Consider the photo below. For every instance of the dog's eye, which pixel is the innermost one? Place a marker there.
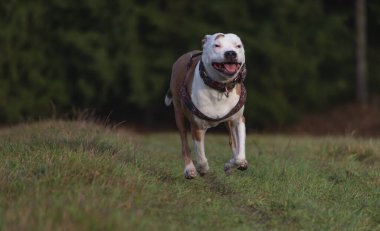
(216, 45)
(238, 46)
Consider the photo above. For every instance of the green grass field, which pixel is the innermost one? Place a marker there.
(58, 175)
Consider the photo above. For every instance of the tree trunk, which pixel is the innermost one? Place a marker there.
(361, 52)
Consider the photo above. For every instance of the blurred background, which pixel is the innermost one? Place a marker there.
(313, 65)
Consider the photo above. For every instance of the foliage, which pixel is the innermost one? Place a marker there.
(116, 56)
(60, 175)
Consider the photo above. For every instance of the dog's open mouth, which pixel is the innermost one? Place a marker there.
(228, 68)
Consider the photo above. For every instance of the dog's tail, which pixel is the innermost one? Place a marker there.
(168, 98)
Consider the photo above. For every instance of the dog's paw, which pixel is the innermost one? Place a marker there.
(202, 168)
(243, 165)
(190, 172)
(239, 164)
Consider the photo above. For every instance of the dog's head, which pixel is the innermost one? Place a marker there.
(223, 55)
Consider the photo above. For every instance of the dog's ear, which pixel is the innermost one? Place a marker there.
(219, 35)
(204, 40)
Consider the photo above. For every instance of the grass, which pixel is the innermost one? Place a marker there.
(58, 175)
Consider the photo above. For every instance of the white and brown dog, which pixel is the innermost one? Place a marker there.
(207, 88)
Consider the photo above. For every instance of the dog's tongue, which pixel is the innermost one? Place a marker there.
(231, 67)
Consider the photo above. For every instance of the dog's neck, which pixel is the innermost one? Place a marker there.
(224, 87)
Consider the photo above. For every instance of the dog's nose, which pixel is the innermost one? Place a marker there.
(230, 55)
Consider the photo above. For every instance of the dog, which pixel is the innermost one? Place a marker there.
(206, 88)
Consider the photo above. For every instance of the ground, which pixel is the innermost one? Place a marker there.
(80, 175)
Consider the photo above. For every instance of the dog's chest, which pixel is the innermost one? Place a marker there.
(211, 102)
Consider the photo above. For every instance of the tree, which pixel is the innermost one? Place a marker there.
(361, 52)
(116, 56)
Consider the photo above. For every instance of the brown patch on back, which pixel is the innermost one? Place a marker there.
(188, 80)
(179, 75)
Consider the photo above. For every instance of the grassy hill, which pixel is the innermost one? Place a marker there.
(58, 175)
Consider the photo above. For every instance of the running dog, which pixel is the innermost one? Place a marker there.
(206, 88)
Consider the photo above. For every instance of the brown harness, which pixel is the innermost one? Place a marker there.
(222, 87)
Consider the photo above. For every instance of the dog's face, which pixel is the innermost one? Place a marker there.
(223, 55)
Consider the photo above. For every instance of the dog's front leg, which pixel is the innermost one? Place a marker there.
(198, 136)
(237, 142)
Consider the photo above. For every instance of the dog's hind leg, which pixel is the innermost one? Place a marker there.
(190, 171)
